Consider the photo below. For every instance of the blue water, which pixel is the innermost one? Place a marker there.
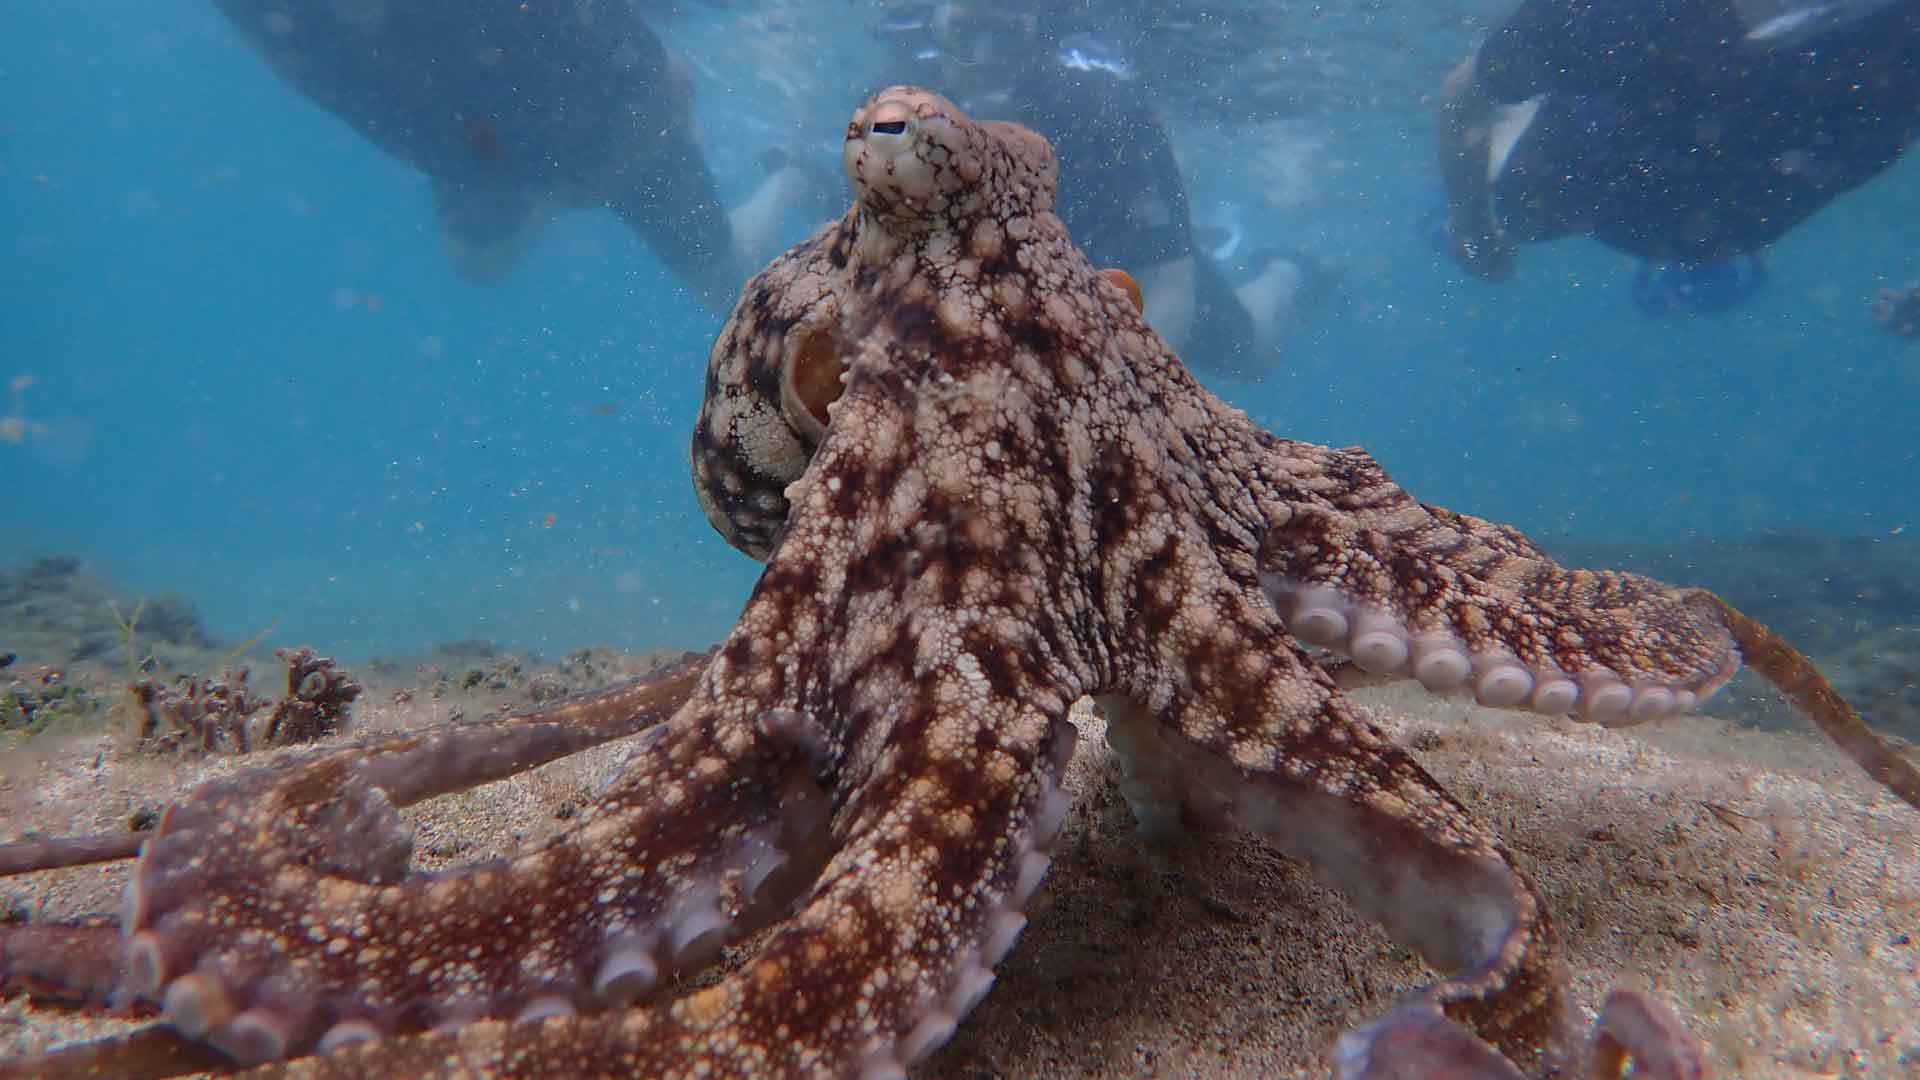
(257, 381)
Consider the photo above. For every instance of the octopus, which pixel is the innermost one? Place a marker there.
(984, 490)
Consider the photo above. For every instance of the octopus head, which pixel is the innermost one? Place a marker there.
(917, 163)
(929, 186)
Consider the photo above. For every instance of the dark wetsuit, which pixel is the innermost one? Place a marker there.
(1665, 134)
(1122, 196)
(1121, 192)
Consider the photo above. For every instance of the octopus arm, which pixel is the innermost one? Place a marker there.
(1351, 483)
(1461, 604)
(1634, 1035)
(274, 925)
(414, 767)
(1800, 682)
(1296, 763)
(892, 946)
(73, 963)
(1406, 590)
(1301, 767)
(1221, 718)
(147, 1053)
(32, 856)
(80, 962)
(462, 757)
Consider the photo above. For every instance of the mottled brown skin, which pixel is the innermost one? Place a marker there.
(1019, 459)
(984, 489)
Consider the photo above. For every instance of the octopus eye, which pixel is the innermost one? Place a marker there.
(1124, 281)
(811, 382)
(892, 128)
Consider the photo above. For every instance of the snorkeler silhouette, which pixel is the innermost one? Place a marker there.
(515, 111)
(1224, 302)
(1689, 133)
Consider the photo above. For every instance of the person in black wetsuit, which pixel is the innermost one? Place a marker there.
(514, 111)
(1122, 196)
(1690, 133)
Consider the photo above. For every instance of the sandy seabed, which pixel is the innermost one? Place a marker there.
(1754, 881)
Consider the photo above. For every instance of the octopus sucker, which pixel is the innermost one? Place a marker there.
(1662, 655)
(984, 489)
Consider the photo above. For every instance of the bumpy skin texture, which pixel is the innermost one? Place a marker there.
(984, 489)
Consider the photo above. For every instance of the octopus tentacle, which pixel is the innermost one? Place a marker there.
(1220, 716)
(1634, 1029)
(1800, 682)
(1415, 1042)
(1351, 484)
(273, 927)
(459, 758)
(32, 856)
(146, 1053)
(80, 962)
(1452, 602)
(417, 766)
(893, 945)
(1408, 590)
(1634, 1033)
(73, 963)
(1273, 747)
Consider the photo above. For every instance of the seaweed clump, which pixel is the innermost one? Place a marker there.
(30, 701)
(217, 715)
(318, 696)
